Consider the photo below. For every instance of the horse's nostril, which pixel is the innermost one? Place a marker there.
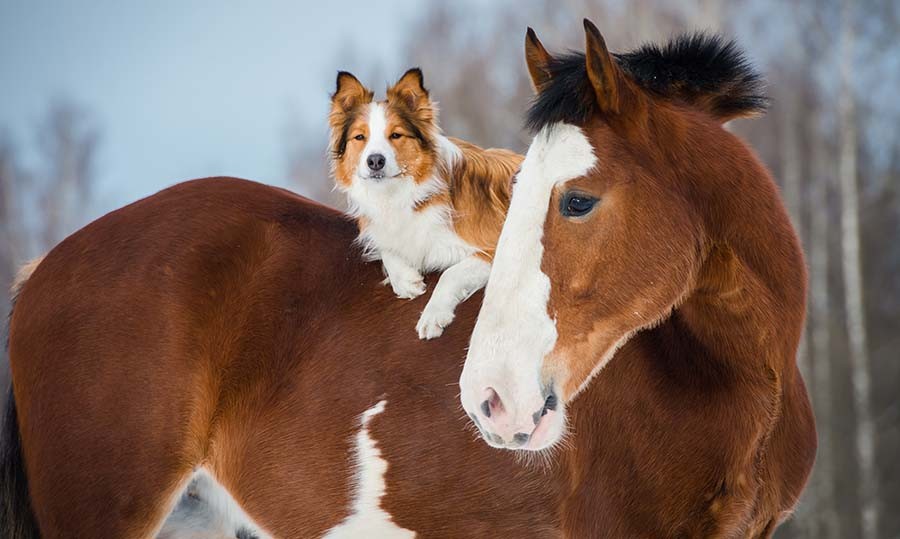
(486, 409)
(550, 403)
(521, 438)
(492, 404)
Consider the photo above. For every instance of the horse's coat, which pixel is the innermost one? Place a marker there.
(232, 326)
(368, 517)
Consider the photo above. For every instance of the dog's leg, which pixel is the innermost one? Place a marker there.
(406, 281)
(456, 284)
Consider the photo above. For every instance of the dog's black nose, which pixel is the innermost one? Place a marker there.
(375, 162)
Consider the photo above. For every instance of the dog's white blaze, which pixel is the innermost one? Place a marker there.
(206, 509)
(378, 143)
(368, 519)
(514, 331)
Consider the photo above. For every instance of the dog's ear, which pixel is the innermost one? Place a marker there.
(410, 91)
(349, 92)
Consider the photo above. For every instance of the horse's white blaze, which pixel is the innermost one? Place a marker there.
(206, 509)
(367, 518)
(514, 331)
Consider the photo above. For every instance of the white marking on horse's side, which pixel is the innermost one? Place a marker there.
(205, 509)
(514, 331)
(367, 518)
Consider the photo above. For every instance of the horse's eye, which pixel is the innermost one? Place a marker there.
(360, 137)
(576, 204)
(395, 136)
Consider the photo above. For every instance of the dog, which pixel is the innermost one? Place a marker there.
(424, 202)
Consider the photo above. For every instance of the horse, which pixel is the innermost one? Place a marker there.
(226, 333)
(647, 271)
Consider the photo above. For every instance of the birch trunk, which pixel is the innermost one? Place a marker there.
(791, 172)
(825, 518)
(853, 281)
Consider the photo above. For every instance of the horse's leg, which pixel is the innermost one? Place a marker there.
(113, 499)
(108, 457)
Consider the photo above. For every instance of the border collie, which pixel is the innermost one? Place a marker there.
(424, 202)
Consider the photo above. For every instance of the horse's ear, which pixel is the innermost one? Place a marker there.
(410, 90)
(538, 60)
(602, 70)
(349, 92)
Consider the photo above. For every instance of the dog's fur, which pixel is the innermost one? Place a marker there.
(437, 204)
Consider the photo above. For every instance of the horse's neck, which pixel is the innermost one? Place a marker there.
(740, 318)
(748, 302)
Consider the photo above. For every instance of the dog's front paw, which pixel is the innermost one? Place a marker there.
(408, 288)
(433, 321)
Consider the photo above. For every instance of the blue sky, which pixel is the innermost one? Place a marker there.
(186, 89)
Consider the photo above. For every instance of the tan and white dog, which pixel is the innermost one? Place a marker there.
(424, 202)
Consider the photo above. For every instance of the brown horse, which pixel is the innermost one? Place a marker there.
(228, 334)
(639, 228)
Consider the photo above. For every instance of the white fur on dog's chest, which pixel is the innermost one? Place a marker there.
(425, 239)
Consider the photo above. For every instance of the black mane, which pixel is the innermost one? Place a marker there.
(706, 70)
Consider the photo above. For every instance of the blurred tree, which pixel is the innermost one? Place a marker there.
(67, 143)
(11, 182)
(10, 185)
(822, 517)
(307, 164)
(853, 278)
(40, 206)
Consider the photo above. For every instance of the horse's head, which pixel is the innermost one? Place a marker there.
(607, 230)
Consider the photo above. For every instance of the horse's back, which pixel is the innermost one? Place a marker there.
(232, 326)
(172, 282)
(131, 334)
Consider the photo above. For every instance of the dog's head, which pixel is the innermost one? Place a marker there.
(383, 141)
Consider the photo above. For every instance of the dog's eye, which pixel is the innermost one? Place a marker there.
(359, 137)
(395, 136)
(576, 204)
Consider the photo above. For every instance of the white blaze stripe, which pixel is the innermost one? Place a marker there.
(378, 142)
(514, 332)
(367, 518)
